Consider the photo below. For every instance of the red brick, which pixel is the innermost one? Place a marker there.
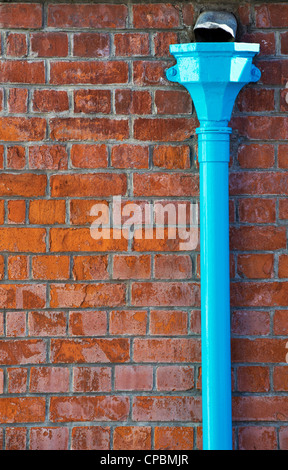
(2, 269)
(46, 101)
(16, 212)
(101, 73)
(80, 239)
(22, 239)
(49, 44)
(283, 100)
(166, 322)
(164, 129)
(244, 12)
(132, 438)
(174, 438)
(281, 322)
(1, 156)
(90, 268)
(256, 266)
(163, 408)
(87, 16)
(91, 45)
(134, 378)
(50, 267)
(49, 438)
(15, 324)
(89, 350)
(16, 45)
(18, 100)
(283, 266)
(173, 267)
(47, 212)
(283, 438)
(254, 127)
(87, 129)
(253, 379)
(89, 156)
(250, 323)
(22, 410)
(17, 15)
(284, 40)
(131, 267)
(128, 322)
(283, 156)
(133, 102)
(256, 156)
(148, 72)
(130, 156)
(266, 41)
(17, 380)
(20, 71)
(260, 408)
(275, 16)
(257, 438)
(165, 184)
(280, 379)
(171, 157)
(162, 42)
(22, 129)
(257, 238)
(100, 408)
(173, 102)
(273, 73)
(92, 379)
(155, 16)
(165, 294)
(21, 296)
(167, 350)
(49, 380)
(15, 438)
(283, 209)
(257, 294)
(195, 322)
(257, 210)
(16, 157)
(254, 100)
(91, 438)
(47, 323)
(48, 157)
(175, 378)
(253, 183)
(1, 381)
(92, 101)
(87, 323)
(91, 185)
(131, 44)
(1, 99)
(259, 350)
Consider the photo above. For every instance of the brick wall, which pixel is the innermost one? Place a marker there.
(100, 339)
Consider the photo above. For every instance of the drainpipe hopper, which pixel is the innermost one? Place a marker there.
(214, 73)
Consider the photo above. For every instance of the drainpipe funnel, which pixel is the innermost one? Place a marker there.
(214, 73)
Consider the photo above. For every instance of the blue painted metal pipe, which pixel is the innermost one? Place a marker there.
(214, 73)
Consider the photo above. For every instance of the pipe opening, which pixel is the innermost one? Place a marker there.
(216, 26)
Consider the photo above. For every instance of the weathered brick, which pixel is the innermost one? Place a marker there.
(133, 102)
(131, 44)
(167, 350)
(27, 16)
(15, 438)
(128, 322)
(89, 156)
(90, 268)
(22, 129)
(166, 322)
(22, 352)
(87, 16)
(132, 438)
(92, 379)
(100, 408)
(47, 212)
(22, 410)
(87, 129)
(174, 438)
(155, 16)
(47, 323)
(87, 323)
(50, 267)
(49, 44)
(48, 157)
(17, 380)
(130, 156)
(49, 438)
(90, 438)
(91, 185)
(80, 240)
(163, 408)
(16, 212)
(47, 101)
(253, 379)
(257, 438)
(18, 267)
(131, 267)
(17, 100)
(16, 45)
(165, 294)
(92, 101)
(49, 380)
(256, 156)
(134, 378)
(23, 239)
(256, 266)
(15, 324)
(173, 102)
(250, 323)
(16, 157)
(175, 378)
(20, 71)
(101, 73)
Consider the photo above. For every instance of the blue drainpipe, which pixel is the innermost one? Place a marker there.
(214, 73)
